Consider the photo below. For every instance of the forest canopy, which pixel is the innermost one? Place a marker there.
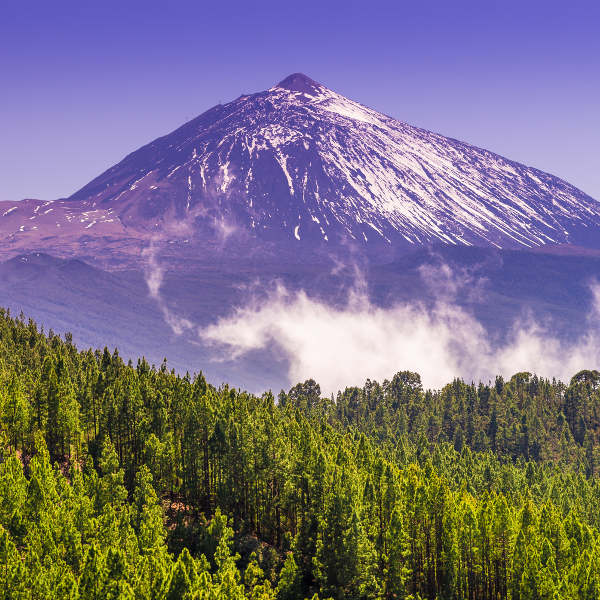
(122, 480)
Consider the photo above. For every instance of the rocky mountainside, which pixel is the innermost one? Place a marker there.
(301, 166)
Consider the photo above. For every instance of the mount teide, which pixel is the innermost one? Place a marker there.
(301, 168)
(296, 184)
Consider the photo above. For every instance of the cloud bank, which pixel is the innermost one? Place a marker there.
(343, 346)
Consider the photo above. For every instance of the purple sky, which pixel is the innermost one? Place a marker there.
(84, 83)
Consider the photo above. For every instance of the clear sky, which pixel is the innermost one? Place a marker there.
(82, 84)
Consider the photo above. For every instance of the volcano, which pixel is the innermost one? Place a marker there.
(300, 167)
(296, 186)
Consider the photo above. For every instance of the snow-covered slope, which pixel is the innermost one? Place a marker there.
(304, 165)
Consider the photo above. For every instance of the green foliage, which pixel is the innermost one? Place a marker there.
(122, 481)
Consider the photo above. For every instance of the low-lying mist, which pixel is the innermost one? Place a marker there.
(343, 346)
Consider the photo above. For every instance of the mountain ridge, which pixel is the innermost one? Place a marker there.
(299, 166)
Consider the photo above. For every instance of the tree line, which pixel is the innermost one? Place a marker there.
(125, 480)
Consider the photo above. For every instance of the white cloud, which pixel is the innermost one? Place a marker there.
(154, 274)
(342, 346)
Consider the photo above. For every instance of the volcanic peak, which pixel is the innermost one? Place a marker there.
(298, 82)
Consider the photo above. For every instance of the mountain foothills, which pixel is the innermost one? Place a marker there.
(127, 481)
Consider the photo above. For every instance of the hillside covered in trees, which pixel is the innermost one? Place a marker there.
(130, 481)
